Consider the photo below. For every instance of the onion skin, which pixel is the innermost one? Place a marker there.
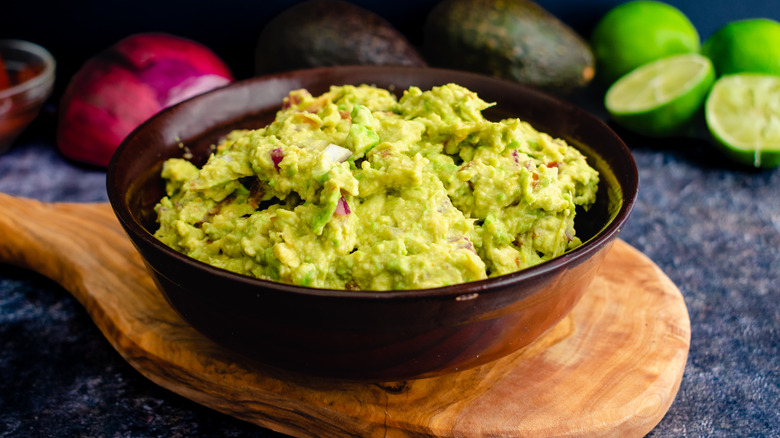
(126, 84)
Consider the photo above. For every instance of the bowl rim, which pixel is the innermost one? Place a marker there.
(44, 77)
(458, 291)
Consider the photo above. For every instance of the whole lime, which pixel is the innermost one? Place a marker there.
(637, 32)
(745, 46)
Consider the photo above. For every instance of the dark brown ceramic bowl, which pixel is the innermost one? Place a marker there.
(362, 335)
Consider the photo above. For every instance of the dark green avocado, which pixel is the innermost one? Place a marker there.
(330, 32)
(511, 39)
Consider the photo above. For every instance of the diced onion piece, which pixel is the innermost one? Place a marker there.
(336, 153)
(277, 155)
(342, 208)
(462, 242)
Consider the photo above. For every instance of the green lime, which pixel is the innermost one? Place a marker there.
(745, 46)
(743, 115)
(661, 98)
(637, 32)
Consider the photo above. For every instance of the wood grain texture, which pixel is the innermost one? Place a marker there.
(611, 368)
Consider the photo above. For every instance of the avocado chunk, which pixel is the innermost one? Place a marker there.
(510, 39)
(319, 33)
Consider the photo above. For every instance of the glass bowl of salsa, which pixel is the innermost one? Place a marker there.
(26, 81)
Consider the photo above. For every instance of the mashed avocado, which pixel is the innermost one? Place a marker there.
(355, 189)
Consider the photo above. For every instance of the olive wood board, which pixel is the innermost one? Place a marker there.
(612, 367)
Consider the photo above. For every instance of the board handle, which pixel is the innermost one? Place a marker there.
(62, 241)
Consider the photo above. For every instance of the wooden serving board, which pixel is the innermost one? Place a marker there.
(610, 368)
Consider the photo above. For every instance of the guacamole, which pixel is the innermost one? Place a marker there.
(356, 189)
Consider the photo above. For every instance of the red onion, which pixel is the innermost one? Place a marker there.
(277, 155)
(342, 208)
(123, 86)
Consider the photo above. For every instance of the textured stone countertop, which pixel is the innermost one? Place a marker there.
(713, 229)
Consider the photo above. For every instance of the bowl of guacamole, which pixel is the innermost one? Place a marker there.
(373, 223)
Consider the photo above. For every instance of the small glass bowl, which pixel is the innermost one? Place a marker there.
(30, 69)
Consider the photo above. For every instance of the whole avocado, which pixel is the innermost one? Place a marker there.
(510, 39)
(330, 32)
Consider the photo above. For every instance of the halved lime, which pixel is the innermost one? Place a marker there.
(743, 115)
(662, 97)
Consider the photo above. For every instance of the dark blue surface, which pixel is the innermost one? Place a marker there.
(712, 228)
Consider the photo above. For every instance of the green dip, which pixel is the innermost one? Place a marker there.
(355, 189)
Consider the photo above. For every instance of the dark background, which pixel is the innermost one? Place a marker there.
(74, 30)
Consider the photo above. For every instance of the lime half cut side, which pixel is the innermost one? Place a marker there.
(743, 115)
(661, 98)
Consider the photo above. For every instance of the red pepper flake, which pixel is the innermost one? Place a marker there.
(465, 166)
(553, 164)
(345, 115)
(535, 179)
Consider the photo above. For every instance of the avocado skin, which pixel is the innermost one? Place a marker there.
(510, 39)
(319, 33)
